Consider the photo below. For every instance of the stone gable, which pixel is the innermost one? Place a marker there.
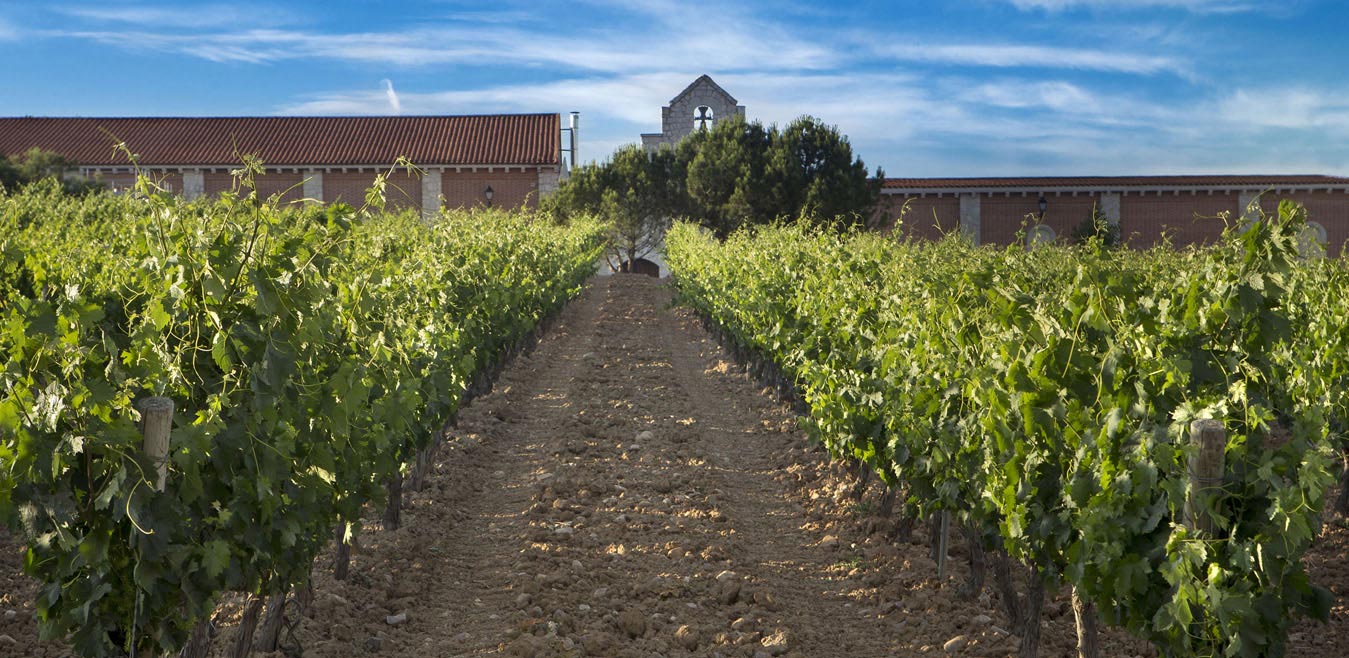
(703, 98)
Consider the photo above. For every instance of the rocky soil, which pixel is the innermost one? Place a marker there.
(626, 491)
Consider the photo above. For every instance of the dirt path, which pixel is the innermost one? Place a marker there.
(627, 493)
(617, 496)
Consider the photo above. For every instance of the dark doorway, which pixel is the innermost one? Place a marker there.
(640, 266)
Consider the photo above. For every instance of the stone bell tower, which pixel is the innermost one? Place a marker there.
(700, 105)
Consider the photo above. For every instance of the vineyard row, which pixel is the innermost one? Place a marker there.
(310, 355)
(1052, 403)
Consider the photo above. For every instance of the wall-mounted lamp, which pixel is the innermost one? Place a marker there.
(487, 194)
(1044, 203)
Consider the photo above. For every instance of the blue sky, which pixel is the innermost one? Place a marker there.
(973, 88)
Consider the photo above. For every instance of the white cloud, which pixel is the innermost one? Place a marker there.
(1058, 101)
(392, 97)
(188, 17)
(616, 52)
(918, 103)
(722, 38)
(934, 126)
(7, 31)
(616, 110)
(1019, 94)
(1288, 108)
(1196, 6)
(634, 99)
(1009, 55)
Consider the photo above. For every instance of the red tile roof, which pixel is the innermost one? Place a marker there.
(509, 139)
(1113, 182)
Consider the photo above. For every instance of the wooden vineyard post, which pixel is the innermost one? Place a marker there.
(1084, 613)
(1011, 600)
(978, 563)
(943, 538)
(1205, 471)
(156, 423)
(272, 620)
(156, 428)
(1035, 603)
(392, 511)
(248, 625)
(199, 643)
(342, 554)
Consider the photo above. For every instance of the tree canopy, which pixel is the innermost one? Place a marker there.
(37, 164)
(735, 174)
(635, 192)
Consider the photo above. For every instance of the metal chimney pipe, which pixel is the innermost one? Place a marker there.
(575, 140)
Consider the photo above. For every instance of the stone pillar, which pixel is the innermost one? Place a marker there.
(431, 183)
(1247, 214)
(313, 185)
(1110, 207)
(194, 184)
(969, 217)
(548, 181)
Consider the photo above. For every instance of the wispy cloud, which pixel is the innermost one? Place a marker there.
(616, 110)
(633, 99)
(870, 108)
(1043, 87)
(1020, 94)
(598, 51)
(392, 97)
(1196, 6)
(1302, 109)
(920, 124)
(7, 31)
(1055, 102)
(1013, 55)
(722, 38)
(189, 17)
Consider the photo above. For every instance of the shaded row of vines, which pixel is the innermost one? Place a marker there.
(1042, 401)
(312, 355)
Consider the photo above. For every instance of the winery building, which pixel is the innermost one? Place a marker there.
(1180, 210)
(505, 160)
(1148, 210)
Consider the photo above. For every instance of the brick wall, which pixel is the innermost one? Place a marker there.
(926, 218)
(1329, 209)
(1002, 217)
(347, 187)
(215, 183)
(404, 191)
(289, 186)
(1186, 218)
(509, 189)
(401, 190)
